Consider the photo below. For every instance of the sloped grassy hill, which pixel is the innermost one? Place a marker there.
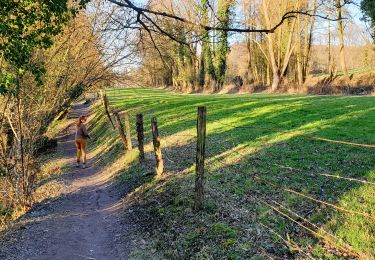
(264, 171)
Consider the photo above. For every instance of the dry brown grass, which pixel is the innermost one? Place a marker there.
(359, 84)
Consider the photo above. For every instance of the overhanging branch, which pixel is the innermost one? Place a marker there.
(144, 11)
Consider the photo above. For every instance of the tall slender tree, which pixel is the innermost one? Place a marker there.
(368, 8)
(207, 71)
(224, 19)
(340, 29)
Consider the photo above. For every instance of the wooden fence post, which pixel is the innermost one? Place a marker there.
(140, 137)
(124, 132)
(127, 131)
(105, 102)
(121, 131)
(200, 156)
(159, 168)
(101, 96)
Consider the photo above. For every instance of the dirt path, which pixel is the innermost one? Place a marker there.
(84, 223)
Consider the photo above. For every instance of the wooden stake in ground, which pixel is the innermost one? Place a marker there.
(101, 96)
(127, 132)
(199, 168)
(159, 168)
(105, 102)
(121, 131)
(140, 137)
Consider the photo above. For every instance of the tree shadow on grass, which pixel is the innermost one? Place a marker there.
(282, 155)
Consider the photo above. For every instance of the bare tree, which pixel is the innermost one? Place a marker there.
(83, 56)
(283, 24)
(339, 7)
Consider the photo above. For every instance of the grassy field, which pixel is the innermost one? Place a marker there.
(272, 188)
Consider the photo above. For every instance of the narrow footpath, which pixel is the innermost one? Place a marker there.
(83, 223)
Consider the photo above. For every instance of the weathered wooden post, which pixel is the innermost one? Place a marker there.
(101, 96)
(127, 131)
(140, 137)
(121, 131)
(159, 168)
(105, 102)
(200, 156)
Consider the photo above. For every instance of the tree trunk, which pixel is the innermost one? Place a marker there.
(341, 39)
(309, 42)
(329, 66)
(222, 51)
(276, 80)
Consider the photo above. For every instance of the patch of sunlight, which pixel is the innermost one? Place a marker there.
(232, 123)
(371, 176)
(183, 137)
(121, 163)
(230, 156)
(149, 147)
(275, 97)
(354, 229)
(53, 166)
(309, 128)
(63, 161)
(240, 151)
(104, 147)
(240, 105)
(170, 121)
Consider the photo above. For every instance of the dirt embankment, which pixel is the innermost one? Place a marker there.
(358, 84)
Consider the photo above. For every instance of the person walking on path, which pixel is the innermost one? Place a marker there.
(81, 140)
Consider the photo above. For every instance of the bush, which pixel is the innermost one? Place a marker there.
(76, 92)
(44, 144)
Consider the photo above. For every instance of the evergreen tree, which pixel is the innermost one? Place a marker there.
(207, 70)
(368, 7)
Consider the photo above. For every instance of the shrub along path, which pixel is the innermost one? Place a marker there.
(83, 223)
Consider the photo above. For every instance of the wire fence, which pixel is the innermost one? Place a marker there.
(224, 147)
(279, 130)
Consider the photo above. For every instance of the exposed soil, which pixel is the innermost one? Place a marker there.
(83, 223)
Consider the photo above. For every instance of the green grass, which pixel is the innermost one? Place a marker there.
(266, 136)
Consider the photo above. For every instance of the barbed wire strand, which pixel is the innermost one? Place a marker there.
(310, 175)
(324, 174)
(315, 200)
(342, 142)
(346, 178)
(312, 224)
(301, 225)
(301, 136)
(288, 244)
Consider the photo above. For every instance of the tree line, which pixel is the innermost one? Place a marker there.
(186, 43)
